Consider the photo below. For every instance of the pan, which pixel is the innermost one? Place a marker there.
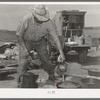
(68, 85)
(94, 72)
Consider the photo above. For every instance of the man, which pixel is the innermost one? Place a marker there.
(31, 34)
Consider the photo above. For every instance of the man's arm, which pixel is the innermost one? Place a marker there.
(53, 32)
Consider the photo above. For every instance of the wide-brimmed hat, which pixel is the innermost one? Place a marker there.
(40, 12)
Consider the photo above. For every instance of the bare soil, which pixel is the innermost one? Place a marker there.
(93, 60)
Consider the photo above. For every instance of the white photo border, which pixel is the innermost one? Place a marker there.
(43, 93)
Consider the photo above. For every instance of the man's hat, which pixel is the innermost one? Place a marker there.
(40, 12)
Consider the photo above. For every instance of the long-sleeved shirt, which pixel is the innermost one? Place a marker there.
(32, 31)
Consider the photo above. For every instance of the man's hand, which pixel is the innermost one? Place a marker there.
(61, 57)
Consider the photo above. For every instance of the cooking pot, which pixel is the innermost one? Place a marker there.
(94, 72)
(89, 82)
(68, 85)
(2, 66)
(97, 83)
(3, 74)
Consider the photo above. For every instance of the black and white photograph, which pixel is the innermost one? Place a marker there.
(50, 46)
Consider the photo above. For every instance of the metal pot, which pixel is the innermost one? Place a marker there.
(89, 83)
(94, 72)
(87, 80)
(2, 66)
(68, 85)
(97, 83)
(3, 75)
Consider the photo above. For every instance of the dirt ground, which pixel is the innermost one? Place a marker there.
(93, 60)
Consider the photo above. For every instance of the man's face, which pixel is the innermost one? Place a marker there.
(38, 21)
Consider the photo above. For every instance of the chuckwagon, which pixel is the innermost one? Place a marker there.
(70, 24)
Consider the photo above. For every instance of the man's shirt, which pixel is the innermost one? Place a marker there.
(34, 32)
